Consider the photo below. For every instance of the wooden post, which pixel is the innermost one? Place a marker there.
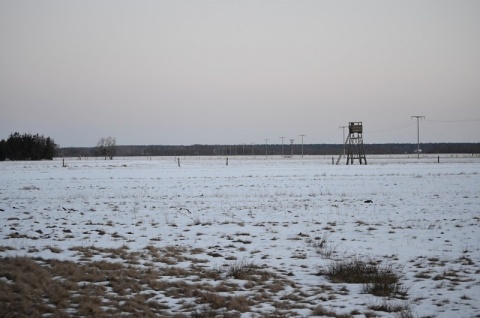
(227, 161)
(438, 159)
(178, 160)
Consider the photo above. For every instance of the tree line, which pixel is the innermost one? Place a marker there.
(261, 150)
(38, 147)
(27, 147)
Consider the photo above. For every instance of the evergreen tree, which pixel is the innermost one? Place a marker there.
(3, 150)
(49, 150)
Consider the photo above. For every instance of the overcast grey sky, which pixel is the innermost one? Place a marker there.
(232, 72)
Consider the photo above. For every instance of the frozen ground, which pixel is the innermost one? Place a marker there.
(419, 216)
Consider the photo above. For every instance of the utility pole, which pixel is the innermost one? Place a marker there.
(302, 143)
(282, 145)
(343, 140)
(291, 142)
(266, 150)
(418, 133)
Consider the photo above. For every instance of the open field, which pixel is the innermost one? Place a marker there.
(259, 237)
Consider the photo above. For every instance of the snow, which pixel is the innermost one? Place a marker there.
(423, 217)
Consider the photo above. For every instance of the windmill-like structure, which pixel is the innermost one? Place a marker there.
(354, 144)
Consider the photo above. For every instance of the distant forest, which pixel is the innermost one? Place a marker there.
(271, 149)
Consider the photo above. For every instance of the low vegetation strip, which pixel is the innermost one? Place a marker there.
(121, 285)
(39, 287)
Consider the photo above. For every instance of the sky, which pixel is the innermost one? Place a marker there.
(234, 72)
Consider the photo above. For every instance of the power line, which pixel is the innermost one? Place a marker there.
(388, 130)
(454, 121)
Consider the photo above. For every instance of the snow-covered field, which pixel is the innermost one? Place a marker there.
(420, 217)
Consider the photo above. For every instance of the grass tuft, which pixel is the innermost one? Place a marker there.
(379, 279)
(242, 269)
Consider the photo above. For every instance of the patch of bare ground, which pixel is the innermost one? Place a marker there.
(120, 282)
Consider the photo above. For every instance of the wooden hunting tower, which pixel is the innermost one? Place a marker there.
(354, 144)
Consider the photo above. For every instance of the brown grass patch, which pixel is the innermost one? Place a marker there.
(34, 284)
(114, 286)
(239, 303)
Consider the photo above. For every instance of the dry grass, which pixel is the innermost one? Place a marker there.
(386, 305)
(35, 286)
(242, 269)
(99, 289)
(114, 286)
(323, 312)
(323, 246)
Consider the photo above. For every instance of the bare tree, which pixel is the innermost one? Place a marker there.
(107, 147)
